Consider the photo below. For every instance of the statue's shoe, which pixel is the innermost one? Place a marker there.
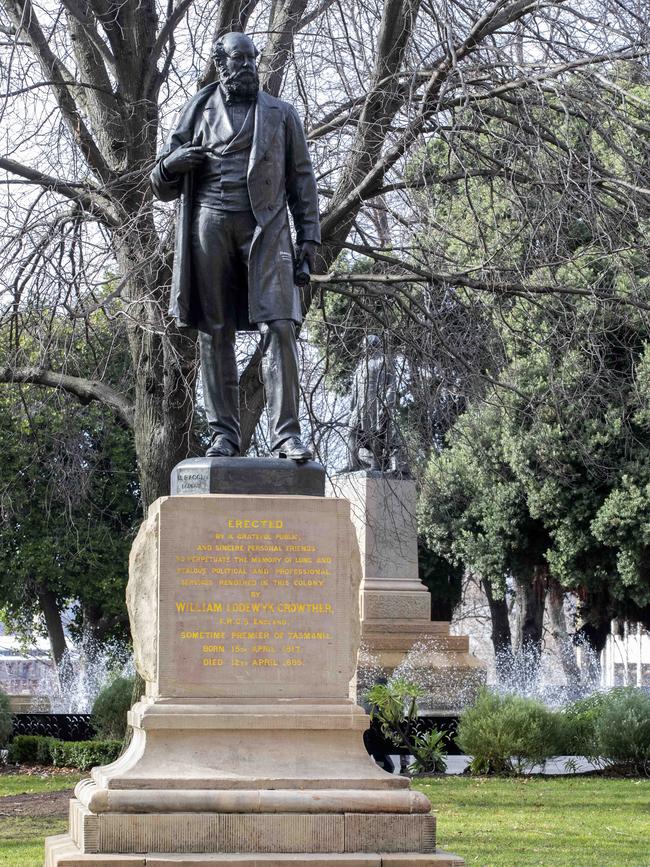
(221, 447)
(294, 450)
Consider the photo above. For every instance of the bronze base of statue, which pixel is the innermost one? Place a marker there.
(233, 475)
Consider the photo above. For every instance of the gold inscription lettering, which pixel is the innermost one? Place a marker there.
(264, 631)
(184, 607)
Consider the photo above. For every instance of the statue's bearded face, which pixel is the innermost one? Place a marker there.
(235, 56)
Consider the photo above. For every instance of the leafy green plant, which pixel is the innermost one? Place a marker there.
(580, 718)
(611, 728)
(508, 734)
(44, 750)
(622, 730)
(31, 750)
(110, 708)
(5, 718)
(394, 706)
(429, 753)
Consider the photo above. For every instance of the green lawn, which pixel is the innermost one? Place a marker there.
(21, 838)
(572, 822)
(30, 784)
(562, 822)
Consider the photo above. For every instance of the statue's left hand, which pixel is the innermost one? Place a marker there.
(307, 253)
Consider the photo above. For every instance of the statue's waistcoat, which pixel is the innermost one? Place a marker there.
(221, 181)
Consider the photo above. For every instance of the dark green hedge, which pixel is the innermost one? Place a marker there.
(38, 750)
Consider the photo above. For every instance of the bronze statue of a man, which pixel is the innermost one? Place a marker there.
(373, 439)
(236, 159)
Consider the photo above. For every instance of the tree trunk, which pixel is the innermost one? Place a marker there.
(273, 62)
(53, 624)
(558, 629)
(531, 596)
(164, 362)
(500, 628)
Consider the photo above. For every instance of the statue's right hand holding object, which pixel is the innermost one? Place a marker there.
(184, 159)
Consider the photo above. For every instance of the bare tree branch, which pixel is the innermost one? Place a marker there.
(24, 18)
(90, 200)
(79, 10)
(86, 390)
(283, 26)
(165, 36)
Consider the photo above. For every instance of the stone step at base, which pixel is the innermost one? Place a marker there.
(422, 625)
(375, 637)
(61, 851)
(250, 832)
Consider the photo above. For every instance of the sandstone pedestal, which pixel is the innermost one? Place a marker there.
(395, 605)
(247, 748)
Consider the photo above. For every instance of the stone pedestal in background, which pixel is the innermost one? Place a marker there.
(395, 605)
(29, 703)
(246, 748)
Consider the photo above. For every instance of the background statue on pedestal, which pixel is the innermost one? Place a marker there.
(374, 442)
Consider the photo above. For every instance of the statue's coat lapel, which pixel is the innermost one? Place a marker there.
(267, 119)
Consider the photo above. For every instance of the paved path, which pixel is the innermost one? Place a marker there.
(457, 764)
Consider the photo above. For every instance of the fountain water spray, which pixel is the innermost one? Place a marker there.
(444, 689)
(447, 690)
(525, 673)
(85, 670)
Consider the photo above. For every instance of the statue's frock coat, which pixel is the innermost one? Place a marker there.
(279, 174)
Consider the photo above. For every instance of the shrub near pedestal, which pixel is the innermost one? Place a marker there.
(394, 705)
(508, 734)
(111, 707)
(623, 730)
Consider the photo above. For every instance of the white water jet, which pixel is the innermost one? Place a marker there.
(369, 671)
(448, 690)
(525, 673)
(445, 689)
(86, 669)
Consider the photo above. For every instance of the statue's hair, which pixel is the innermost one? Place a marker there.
(218, 50)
